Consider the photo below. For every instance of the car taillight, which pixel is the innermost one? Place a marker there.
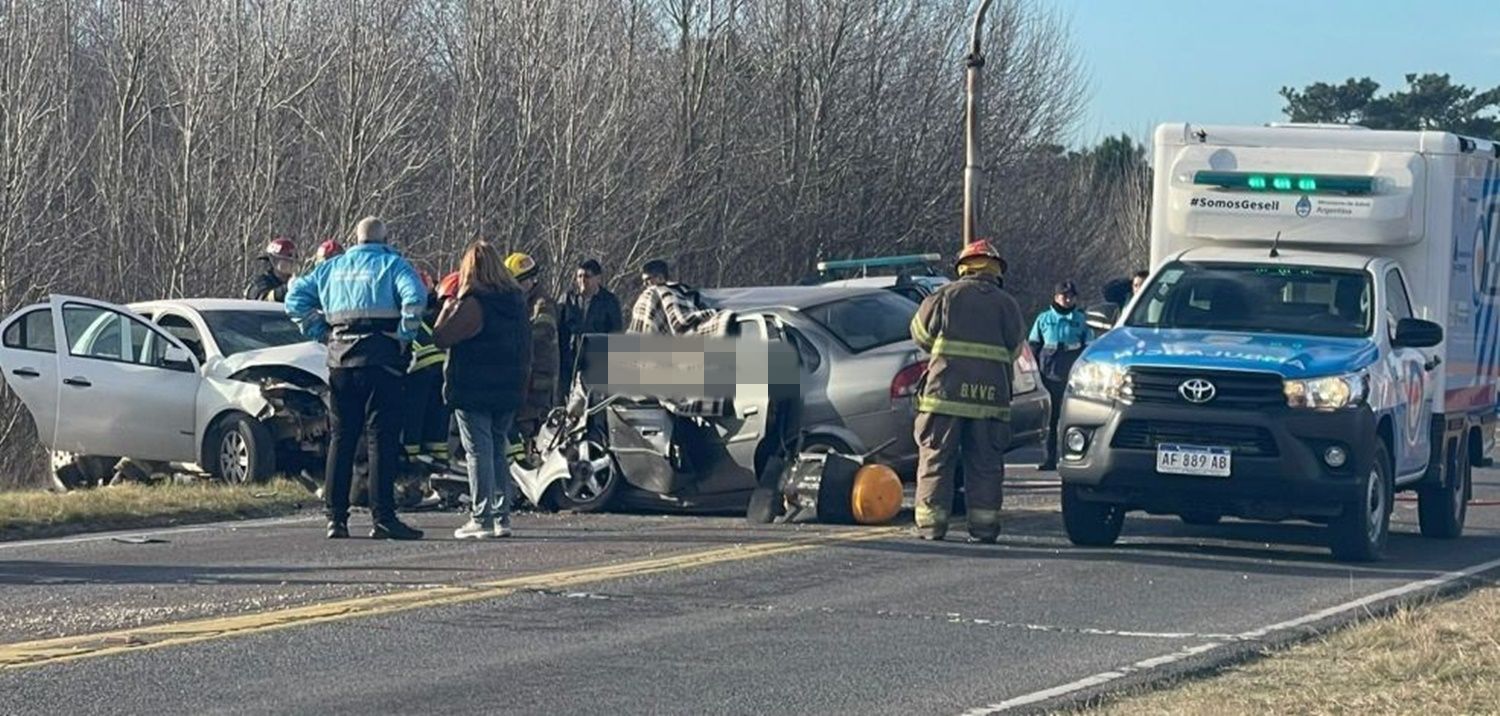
(904, 385)
(1026, 371)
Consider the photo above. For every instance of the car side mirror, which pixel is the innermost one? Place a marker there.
(1417, 333)
(1102, 317)
(177, 358)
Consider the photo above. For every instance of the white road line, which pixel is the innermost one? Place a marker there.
(1105, 677)
(205, 527)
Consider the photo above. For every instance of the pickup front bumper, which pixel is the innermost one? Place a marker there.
(1277, 458)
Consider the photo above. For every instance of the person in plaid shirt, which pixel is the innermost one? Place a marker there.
(669, 308)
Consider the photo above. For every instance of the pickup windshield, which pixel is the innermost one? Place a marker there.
(1257, 299)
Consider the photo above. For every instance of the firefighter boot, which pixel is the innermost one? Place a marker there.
(932, 521)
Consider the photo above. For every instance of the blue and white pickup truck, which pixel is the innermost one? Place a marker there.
(1319, 332)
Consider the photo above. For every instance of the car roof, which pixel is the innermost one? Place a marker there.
(206, 304)
(796, 297)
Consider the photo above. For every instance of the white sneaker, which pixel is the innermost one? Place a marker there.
(502, 531)
(472, 530)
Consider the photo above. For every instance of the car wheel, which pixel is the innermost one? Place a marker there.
(1201, 519)
(77, 472)
(593, 478)
(1090, 524)
(1360, 533)
(243, 451)
(1441, 509)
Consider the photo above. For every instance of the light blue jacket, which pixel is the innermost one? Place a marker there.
(368, 282)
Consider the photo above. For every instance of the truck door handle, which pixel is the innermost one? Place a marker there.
(78, 382)
(1432, 364)
(26, 373)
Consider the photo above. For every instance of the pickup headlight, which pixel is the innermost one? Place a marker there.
(1097, 381)
(1330, 393)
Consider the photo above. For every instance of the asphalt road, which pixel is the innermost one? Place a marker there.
(608, 614)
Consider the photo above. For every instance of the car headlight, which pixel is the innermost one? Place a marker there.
(1331, 393)
(1097, 381)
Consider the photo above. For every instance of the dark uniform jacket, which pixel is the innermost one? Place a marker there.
(266, 286)
(973, 331)
(541, 391)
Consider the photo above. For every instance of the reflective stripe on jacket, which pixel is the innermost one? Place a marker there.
(424, 354)
(972, 330)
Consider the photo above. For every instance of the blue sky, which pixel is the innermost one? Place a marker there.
(1208, 61)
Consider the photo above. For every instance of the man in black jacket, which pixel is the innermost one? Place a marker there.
(588, 307)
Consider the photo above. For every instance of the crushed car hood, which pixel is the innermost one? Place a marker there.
(309, 357)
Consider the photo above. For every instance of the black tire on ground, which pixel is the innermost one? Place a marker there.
(78, 472)
(1441, 509)
(1090, 524)
(242, 450)
(1201, 519)
(765, 506)
(582, 494)
(1361, 532)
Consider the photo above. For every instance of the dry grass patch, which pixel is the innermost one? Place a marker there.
(1441, 658)
(28, 514)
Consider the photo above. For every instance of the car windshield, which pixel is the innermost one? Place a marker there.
(240, 331)
(867, 320)
(1257, 299)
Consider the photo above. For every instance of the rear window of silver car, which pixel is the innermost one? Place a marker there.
(866, 321)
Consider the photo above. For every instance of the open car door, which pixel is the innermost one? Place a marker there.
(29, 361)
(124, 386)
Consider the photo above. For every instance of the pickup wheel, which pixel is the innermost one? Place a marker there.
(1090, 524)
(1442, 508)
(1361, 532)
(242, 450)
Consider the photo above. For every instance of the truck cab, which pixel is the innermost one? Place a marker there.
(1318, 334)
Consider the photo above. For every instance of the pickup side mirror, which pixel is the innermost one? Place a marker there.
(178, 359)
(1102, 317)
(1417, 333)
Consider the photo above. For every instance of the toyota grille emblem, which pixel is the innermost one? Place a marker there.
(1197, 390)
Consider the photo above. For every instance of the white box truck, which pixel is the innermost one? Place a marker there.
(1319, 332)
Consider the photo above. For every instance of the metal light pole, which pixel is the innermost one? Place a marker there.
(973, 174)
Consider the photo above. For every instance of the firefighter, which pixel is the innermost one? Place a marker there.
(1057, 339)
(541, 392)
(280, 265)
(972, 329)
(425, 432)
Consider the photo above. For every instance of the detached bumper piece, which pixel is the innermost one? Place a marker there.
(833, 489)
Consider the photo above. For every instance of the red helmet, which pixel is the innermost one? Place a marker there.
(981, 248)
(448, 287)
(329, 249)
(281, 248)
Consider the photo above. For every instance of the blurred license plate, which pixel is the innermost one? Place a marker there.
(1192, 460)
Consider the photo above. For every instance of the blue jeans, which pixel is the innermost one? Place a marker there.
(485, 434)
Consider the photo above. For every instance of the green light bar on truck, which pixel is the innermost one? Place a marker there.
(913, 259)
(1301, 183)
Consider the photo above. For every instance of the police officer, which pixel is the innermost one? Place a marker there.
(1057, 339)
(972, 329)
(367, 304)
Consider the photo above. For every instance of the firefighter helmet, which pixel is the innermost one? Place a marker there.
(281, 248)
(521, 266)
(327, 250)
(981, 249)
(448, 287)
(876, 497)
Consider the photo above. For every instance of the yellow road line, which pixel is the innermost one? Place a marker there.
(72, 648)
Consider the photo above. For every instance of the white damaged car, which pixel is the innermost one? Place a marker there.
(226, 387)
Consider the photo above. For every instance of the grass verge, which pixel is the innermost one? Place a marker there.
(1437, 658)
(31, 514)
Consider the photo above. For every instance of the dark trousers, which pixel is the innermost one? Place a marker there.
(368, 396)
(425, 418)
(1055, 389)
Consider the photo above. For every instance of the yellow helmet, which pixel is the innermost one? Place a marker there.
(521, 266)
